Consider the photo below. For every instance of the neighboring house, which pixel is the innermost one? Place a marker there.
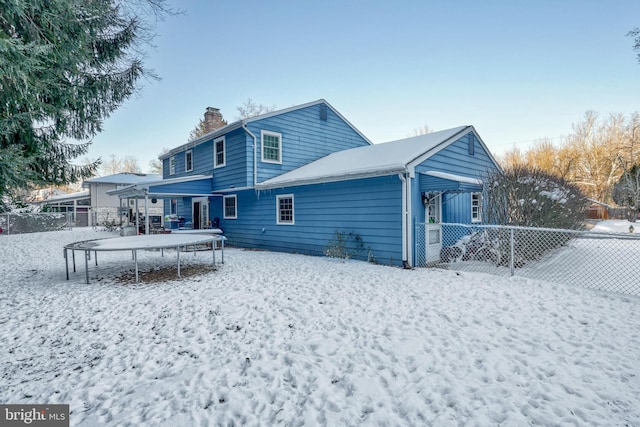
(294, 180)
(77, 204)
(95, 205)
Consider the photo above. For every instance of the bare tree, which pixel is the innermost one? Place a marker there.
(116, 165)
(422, 130)
(155, 165)
(251, 109)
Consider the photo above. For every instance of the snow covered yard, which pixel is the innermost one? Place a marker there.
(285, 339)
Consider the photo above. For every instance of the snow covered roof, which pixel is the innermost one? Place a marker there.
(123, 178)
(66, 197)
(373, 160)
(239, 123)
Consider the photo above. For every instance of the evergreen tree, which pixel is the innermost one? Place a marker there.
(65, 66)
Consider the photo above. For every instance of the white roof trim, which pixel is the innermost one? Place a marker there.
(452, 177)
(65, 197)
(238, 124)
(330, 178)
(130, 189)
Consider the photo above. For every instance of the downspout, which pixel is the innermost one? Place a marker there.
(255, 153)
(405, 221)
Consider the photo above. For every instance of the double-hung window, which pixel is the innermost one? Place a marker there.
(188, 160)
(476, 207)
(285, 209)
(172, 165)
(219, 153)
(230, 207)
(271, 147)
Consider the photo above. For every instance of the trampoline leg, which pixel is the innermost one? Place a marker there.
(73, 255)
(194, 250)
(162, 252)
(222, 249)
(66, 263)
(87, 256)
(135, 257)
(178, 252)
(95, 256)
(213, 249)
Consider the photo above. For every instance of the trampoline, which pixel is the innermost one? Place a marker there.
(136, 243)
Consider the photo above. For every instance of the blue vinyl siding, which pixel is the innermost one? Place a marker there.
(238, 169)
(305, 138)
(370, 207)
(455, 159)
(200, 186)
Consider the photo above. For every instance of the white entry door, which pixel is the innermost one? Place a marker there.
(433, 229)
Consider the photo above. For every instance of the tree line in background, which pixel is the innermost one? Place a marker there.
(601, 156)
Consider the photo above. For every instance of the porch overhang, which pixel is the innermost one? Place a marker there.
(448, 183)
(192, 186)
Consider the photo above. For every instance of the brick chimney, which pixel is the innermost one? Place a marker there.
(213, 119)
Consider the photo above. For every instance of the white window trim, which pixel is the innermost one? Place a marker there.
(269, 133)
(479, 217)
(224, 207)
(293, 209)
(172, 165)
(186, 153)
(224, 152)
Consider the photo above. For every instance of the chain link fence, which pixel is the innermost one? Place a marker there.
(604, 261)
(17, 223)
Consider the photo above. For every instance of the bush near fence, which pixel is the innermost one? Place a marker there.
(605, 261)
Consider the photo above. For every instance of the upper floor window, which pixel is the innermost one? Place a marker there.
(471, 145)
(188, 160)
(230, 207)
(476, 207)
(172, 165)
(271, 147)
(219, 153)
(284, 205)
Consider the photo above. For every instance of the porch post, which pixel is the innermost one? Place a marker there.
(137, 218)
(146, 213)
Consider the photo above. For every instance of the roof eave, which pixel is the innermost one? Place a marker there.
(330, 178)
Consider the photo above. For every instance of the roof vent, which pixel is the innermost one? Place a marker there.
(323, 112)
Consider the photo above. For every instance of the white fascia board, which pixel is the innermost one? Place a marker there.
(204, 138)
(444, 144)
(486, 149)
(308, 104)
(330, 178)
(453, 177)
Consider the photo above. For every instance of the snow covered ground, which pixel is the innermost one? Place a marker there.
(282, 339)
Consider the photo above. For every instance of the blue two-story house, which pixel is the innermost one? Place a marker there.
(294, 179)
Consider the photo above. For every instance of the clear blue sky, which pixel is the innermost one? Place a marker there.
(518, 71)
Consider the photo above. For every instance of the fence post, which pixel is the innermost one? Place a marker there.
(512, 252)
(8, 224)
